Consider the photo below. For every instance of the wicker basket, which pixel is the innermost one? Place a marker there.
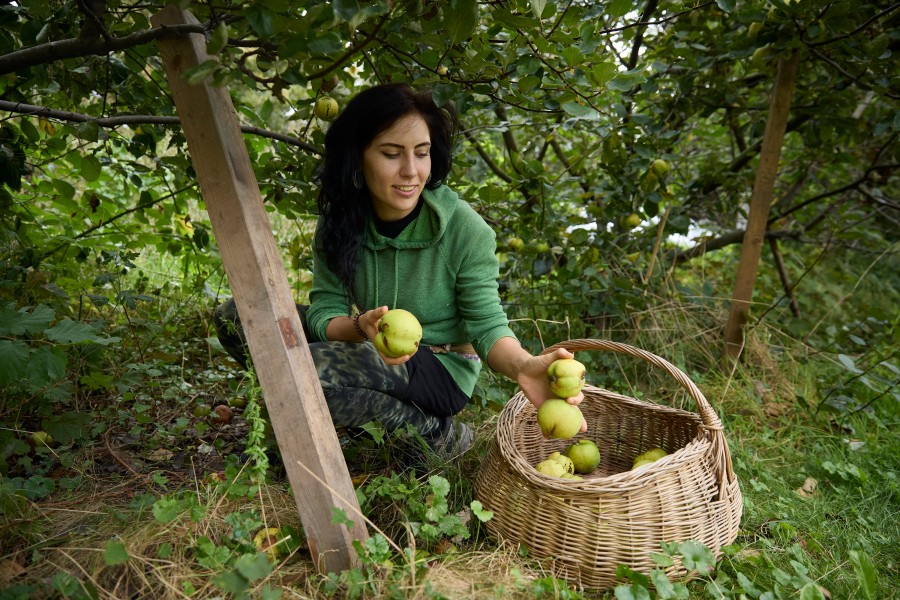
(584, 529)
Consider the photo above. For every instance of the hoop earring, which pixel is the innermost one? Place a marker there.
(357, 179)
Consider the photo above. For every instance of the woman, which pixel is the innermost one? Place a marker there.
(391, 235)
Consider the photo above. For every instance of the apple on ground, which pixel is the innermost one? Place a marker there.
(559, 419)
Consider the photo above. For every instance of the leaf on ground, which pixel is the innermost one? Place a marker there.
(115, 553)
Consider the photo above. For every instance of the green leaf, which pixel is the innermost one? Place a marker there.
(90, 168)
(18, 322)
(46, 365)
(260, 19)
(580, 112)
(537, 7)
(76, 332)
(114, 553)
(346, 9)
(632, 592)
(625, 81)
(478, 510)
(14, 358)
(68, 426)
(253, 566)
(865, 573)
(619, 8)
(811, 591)
(664, 587)
(726, 5)
(460, 18)
(696, 556)
(849, 364)
(231, 581)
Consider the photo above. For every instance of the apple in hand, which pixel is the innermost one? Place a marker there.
(566, 377)
(559, 419)
(399, 333)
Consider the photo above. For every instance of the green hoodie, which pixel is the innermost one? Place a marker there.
(442, 268)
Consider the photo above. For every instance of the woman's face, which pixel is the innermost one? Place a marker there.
(396, 166)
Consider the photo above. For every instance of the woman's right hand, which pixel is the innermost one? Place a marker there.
(374, 316)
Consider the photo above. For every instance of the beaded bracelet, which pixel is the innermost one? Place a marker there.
(359, 329)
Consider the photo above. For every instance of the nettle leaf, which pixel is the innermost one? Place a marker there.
(76, 332)
(14, 358)
(460, 18)
(114, 553)
(69, 426)
(46, 365)
(19, 322)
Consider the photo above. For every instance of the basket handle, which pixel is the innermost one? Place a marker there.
(711, 422)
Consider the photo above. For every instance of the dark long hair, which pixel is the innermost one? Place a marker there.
(344, 208)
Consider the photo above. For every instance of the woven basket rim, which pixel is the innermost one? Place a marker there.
(621, 481)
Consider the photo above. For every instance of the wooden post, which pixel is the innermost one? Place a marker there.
(760, 201)
(296, 404)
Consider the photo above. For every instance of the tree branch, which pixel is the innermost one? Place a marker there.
(727, 239)
(486, 158)
(639, 33)
(78, 47)
(113, 122)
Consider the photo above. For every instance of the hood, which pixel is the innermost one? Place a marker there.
(426, 230)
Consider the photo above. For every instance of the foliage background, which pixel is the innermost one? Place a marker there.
(109, 269)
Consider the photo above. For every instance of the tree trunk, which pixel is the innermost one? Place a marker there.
(760, 201)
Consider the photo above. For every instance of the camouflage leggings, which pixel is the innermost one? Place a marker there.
(359, 387)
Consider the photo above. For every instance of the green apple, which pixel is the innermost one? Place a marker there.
(654, 454)
(551, 467)
(559, 419)
(660, 167)
(326, 108)
(585, 456)
(564, 460)
(566, 377)
(648, 457)
(640, 463)
(399, 333)
(571, 476)
(42, 438)
(202, 410)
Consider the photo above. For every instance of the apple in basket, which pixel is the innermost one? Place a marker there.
(564, 460)
(648, 457)
(559, 419)
(585, 456)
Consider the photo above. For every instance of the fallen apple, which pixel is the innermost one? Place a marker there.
(559, 419)
(269, 540)
(585, 456)
(222, 414)
(399, 333)
(42, 438)
(566, 377)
